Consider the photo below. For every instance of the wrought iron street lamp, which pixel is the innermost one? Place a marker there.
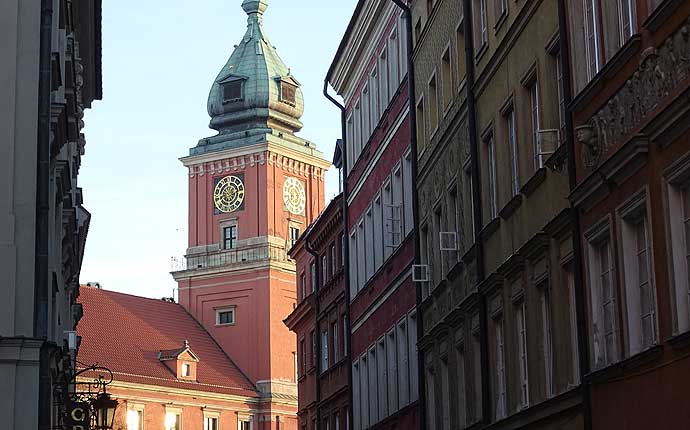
(104, 410)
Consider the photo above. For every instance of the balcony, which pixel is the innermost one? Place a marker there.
(231, 257)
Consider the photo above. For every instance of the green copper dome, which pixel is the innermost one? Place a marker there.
(255, 92)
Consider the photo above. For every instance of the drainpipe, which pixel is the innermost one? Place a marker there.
(582, 344)
(346, 246)
(477, 214)
(415, 205)
(317, 331)
(40, 328)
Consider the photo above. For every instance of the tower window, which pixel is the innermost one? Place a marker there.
(287, 93)
(225, 316)
(294, 235)
(229, 237)
(232, 91)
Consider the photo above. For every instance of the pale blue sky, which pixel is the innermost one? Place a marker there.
(159, 60)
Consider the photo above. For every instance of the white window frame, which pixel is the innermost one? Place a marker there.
(491, 171)
(173, 411)
(591, 33)
(513, 150)
(523, 363)
(229, 308)
(138, 410)
(208, 415)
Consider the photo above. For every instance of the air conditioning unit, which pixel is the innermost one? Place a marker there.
(448, 240)
(420, 273)
(548, 142)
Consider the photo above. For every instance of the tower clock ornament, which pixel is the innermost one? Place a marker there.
(228, 194)
(294, 196)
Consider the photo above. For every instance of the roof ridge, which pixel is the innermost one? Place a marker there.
(128, 295)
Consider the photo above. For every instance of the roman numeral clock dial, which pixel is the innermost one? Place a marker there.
(228, 195)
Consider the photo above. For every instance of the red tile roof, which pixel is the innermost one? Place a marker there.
(125, 333)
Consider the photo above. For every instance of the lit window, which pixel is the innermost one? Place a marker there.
(135, 419)
(173, 420)
(210, 423)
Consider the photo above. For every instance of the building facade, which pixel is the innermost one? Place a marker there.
(630, 81)
(320, 322)
(253, 188)
(51, 73)
(369, 72)
(168, 372)
(500, 341)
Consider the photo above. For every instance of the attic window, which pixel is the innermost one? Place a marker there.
(287, 93)
(232, 91)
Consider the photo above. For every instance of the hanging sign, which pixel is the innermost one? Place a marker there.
(78, 417)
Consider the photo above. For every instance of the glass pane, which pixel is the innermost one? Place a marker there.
(610, 348)
(608, 318)
(647, 331)
(643, 269)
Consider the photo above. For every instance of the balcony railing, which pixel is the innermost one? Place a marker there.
(230, 257)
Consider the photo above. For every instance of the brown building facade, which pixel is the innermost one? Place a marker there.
(630, 83)
(320, 323)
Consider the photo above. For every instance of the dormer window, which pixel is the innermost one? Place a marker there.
(287, 93)
(182, 361)
(232, 91)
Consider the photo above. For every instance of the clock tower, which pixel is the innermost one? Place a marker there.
(253, 188)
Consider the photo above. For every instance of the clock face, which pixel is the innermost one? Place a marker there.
(294, 195)
(228, 195)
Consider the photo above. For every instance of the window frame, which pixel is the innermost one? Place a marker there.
(231, 309)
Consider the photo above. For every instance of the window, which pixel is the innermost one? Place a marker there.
(491, 171)
(425, 257)
(229, 237)
(452, 220)
(417, 30)
(135, 419)
(679, 243)
(232, 91)
(447, 78)
(369, 244)
(356, 397)
(303, 357)
(561, 97)
(366, 120)
(361, 255)
(382, 372)
(469, 191)
(313, 348)
(433, 105)
(336, 421)
(501, 9)
(324, 269)
(378, 232)
(173, 420)
(186, 370)
(303, 285)
(445, 390)
(626, 16)
(342, 250)
(393, 59)
(547, 327)
(388, 212)
(324, 350)
(421, 125)
(408, 191)
(345, 335)
(373, 386)
(403, 363)
(357, 136)
(287, 93)
(334, 261)
(574, 378)
(336, 345)
(591, 37)
(534, 111)
(513, 149)
(210, 423)
(392, 371)
(603, 301)
(351, 139)
(364, 389)
(412, 354)
(436, 255)
(245, 425)
(460, 52)
(500, 370)
(374, 100)
(397, 209)
(459, 383)
(481, 35)
(225, 316)
(520, 315)
(383, 81)
(432, 412)
(639, 290)
(402, 29)
(294, 235)
(476, 373)
(354, 282)
(312, 270)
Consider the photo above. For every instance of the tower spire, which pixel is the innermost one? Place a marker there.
(255, 6)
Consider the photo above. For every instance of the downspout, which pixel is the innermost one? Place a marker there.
(415, 207)
(477, 213)
(346, 246)
(41, 282)
(582, 345)
(315, 297)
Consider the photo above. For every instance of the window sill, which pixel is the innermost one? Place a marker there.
(661, 14)
(533, 183)
(680, 341)
(455, 271)
(225, 325)
(556, 161)
(481, 51)
(510, 207)
(616, 370)
(610, 69)
(490, 228)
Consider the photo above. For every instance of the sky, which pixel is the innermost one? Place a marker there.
(159, 61)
